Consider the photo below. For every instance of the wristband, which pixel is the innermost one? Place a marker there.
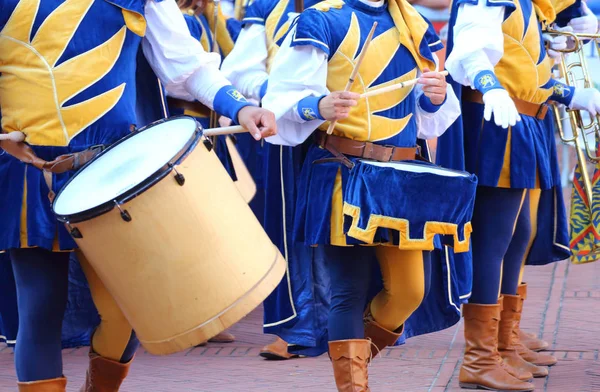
(562, 93)
(308, 108)
(428, 106)
(486, 81)
(228, 102)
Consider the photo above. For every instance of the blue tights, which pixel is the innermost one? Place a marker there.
(501, 234)
(41, 278)
(351, 270)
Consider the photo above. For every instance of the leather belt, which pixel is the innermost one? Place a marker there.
(530, 109)
(61, 164)
(196, 108)
(341, 146)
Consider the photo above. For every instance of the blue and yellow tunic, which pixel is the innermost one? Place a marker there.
(44, 45)
(523, 156)
(402, 45)
(275, 16)
(294, 310)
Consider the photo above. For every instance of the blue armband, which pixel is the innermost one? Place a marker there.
(486, 81)
(263, 89)
(428, 106)
(562, 93)
(228, 102)
(308, 108)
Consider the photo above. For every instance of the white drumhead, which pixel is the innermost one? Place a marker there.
(124, 166)
(416, 168)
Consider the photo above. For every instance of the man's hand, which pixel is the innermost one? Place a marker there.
(434, 86)
(258, 121)
(336, 106)
(499, 103)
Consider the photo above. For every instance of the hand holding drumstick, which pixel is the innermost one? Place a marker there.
(336, 106)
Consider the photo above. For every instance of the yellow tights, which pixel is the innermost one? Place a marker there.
(403, 286)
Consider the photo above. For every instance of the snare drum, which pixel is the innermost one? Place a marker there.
(165, 228)
(406, 204)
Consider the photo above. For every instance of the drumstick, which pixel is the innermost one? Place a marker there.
(394, 87)
(355, 70)
(224, 130)
(13, 136)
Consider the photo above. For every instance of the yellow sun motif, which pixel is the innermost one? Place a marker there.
(519, 71)
(33, 89)
(363, 123)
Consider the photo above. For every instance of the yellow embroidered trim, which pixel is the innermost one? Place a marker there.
(402, 226)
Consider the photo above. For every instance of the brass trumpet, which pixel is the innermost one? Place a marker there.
(576, 74)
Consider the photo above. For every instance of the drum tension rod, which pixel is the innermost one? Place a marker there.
(74, 231)
(178, 176)
(124, 213)
(208, 144)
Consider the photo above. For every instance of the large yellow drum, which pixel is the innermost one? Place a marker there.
(166, 230)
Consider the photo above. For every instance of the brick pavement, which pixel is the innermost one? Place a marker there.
(563, 307)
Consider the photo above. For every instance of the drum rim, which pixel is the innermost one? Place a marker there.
(466, 174)
(140, 188)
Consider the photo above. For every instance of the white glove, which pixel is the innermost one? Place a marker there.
(586, 24)
(498, 102)
(586, 99)
(556, 43)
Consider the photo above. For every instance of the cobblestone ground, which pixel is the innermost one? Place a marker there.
(563, 307)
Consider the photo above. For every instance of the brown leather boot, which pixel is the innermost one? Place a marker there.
(539, 359)
(536, 358)
(379, 336)
(104, 375)
(508, 339)
(350, 364)
(53, 385)
(529, 340)
(482, 365)
(277, 351)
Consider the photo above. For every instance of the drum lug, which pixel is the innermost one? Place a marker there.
(178, 176)
(74, 231)
(124, 213)
(208, 144)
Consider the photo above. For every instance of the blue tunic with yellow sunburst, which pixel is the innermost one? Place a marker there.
(296, 310)
(44, 46)
(275, 16)
(403, 44)
(523, 156)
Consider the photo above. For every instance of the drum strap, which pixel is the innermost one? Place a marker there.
(61, 164)
(341, 146)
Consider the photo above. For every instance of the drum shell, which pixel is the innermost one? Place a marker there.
(192, 261)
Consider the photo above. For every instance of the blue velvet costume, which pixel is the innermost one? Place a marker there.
(510, 161)
(326, 188)
(297, 310)
(78, 60)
